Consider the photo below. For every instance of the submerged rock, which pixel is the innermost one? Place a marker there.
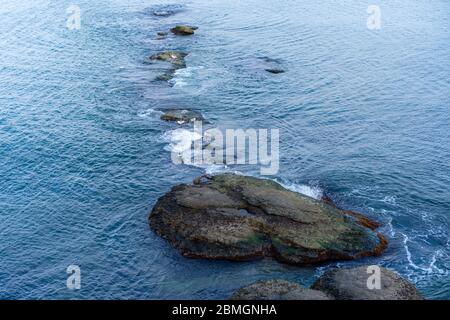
(166, 76)
(165, 10)
(161, 35)
(277, 290)
(181, 115)
(183, 30)
(275, 71)
(351, 284)
(174, 57)
(242, 218)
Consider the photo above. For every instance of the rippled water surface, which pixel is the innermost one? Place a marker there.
(363, 116)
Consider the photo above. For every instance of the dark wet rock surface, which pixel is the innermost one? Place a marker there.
(335, 284)
(263, 65)
(166, 76)
(176, 58)
(205, 220)
(181, 115)
(275, 71)
(351, 284)
(183, 30)
(277, 290)
(161, 35)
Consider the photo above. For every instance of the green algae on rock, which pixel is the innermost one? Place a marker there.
(181, 115)
(183, 30)
(238, 217)
(174, 57)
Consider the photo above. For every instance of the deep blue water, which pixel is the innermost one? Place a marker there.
(363, 116)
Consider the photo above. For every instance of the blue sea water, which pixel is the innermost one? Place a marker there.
(363, 116)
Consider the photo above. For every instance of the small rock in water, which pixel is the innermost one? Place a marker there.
(183, 30)
(161, 35)
(174, 57)
(205, 220)
(352, 284)
(166, 76)
(277, 290)
(181, 115)
(275, 71)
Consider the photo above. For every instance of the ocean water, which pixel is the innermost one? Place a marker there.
(363, 117)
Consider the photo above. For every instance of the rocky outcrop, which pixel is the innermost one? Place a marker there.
(277, 290)
(237, 217)
(351, 284)
(181, 115)
(335, 284)
(183, 30)
(174, 57)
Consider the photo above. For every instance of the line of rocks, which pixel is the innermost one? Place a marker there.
(235, 217)
(175, 58)
(177, 61)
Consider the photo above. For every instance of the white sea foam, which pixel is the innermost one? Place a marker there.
(390, 200)
(432, 265)
(181, 141)
(391, 227)
(182, 76)
(150, 113)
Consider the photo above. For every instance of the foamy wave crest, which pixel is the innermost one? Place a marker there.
(180, 140)
(311, 191)
(182, 76)
(150, 113)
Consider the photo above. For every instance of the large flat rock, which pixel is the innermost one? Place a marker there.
(237, 217)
